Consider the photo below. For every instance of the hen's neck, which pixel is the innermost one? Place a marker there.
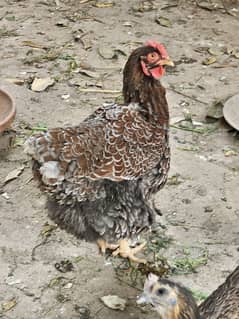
(150, 94)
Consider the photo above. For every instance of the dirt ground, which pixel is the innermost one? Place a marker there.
(83, 46)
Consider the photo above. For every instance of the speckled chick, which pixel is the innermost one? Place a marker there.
(173, 301)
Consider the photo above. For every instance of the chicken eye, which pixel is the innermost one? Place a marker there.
(160, 291)
(152, 56)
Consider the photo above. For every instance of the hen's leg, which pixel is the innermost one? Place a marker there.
(125, 251)
(103, 245)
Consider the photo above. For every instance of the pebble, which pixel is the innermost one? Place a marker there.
(68, 285)
(186, 201)
(202, 191)
(65, 96)
(208, 209)
(5, 195)
(83, 311)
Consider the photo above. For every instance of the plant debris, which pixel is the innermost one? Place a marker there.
(164, 22)
(198, 295)
(13, 174)
(16, 81)
(144, 6)
(188, 263)
(40, 127)
(39, 85)
(175, 179)
(228, 152)
(6, 306)
(33, 44)
(90, 74)
(210, 60)
(159, 267)
(207, 5)
(214, 51)
(50, 55)
(64, 266)
(100, 91)
(114, 302)
(47, 230)
(102, 4)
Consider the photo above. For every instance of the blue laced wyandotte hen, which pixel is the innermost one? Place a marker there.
(100, 175)
(173, 301)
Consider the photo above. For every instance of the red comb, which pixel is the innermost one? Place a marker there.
(159, 47)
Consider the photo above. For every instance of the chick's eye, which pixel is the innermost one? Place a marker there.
(161, 291)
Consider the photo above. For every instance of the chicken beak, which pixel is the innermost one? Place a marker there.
(143, 299)
(166, 62)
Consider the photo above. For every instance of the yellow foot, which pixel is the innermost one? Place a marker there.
(103, 245)
(125, 251)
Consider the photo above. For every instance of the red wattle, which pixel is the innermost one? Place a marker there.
(156, 73)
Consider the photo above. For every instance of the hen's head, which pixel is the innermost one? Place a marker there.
(152, 58)
(170, 300)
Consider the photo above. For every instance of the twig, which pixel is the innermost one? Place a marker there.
(38, 128)
(98, 311)
(226, 9)
(99, 91)
(43, 242)
(215, 243)
(167, 6)
(84, 1)
(202, 131)
(221, 66)
(186, 95)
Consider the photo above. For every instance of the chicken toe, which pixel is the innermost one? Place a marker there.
(103, 245)
(125, 251)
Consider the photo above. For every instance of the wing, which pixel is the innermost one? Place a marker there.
(116, 143)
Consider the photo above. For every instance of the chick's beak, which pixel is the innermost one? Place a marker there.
(166, 62)
(143, 299)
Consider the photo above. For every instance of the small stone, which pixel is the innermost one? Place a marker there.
(186, 201)
(83, 311)
(202, 191)
(12, 281)
(208, 209)
(5, 195)
(65, 96)
(68, 285)
(222, 78)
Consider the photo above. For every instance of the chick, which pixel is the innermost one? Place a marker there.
(170, 300)
(173, 301)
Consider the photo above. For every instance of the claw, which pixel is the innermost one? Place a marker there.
(103, 245)
(125, 251)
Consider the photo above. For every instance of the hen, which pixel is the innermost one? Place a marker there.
(173, 301)
(99, 175)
